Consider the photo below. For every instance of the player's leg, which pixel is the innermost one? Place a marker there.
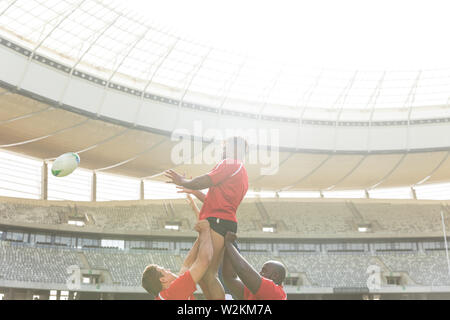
(210, 282)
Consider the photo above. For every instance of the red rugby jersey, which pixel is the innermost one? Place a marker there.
(230, 184)
(267, 291)
(182, 288)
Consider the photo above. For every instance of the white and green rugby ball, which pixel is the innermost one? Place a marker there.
(65, 164)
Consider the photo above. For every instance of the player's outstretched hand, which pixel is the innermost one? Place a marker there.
(230, 237)
(201, 225)
(182, 189)
(174, 177)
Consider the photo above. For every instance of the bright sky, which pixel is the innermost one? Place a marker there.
(400, 34)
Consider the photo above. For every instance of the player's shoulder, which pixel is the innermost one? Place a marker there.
(181, 288)
(271, 288)
(232, 164)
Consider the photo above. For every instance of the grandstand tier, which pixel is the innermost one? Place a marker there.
(290, 218)
(48, 265)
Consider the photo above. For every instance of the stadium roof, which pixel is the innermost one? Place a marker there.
(43, 131)
(111, 40)
(113, 43)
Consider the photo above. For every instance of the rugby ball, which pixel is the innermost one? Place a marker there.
(65, 164)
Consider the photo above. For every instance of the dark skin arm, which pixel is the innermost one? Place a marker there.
(249, 276)
(199, 183)
(232, 282)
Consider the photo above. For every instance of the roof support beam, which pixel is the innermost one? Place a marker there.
(308, 174)
(100, 33)
(227, 89)
(26, 116)
(434, 170)
(341, 101)
(130, 48)
(372, 102)
(409, 100)
(150, 80)
(9, 6)
(188, 85)
(303, 103)
(30, 58)
(45, 136)
(115, 165)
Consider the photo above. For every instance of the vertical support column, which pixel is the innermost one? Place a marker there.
(141, 190)
(44, 181)
(94, 187)
(420, 247)
(413, 193)
(10, 294)
(366, 192)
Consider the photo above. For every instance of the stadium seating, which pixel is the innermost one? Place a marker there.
(34, 264)
(126, 268)
(428, 268)
(21, 262)
(293, 217)
(402, 218)
(330, 270)
(310, 218)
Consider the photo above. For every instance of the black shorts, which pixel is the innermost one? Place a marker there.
(222, 226)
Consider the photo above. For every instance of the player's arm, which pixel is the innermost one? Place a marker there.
(197, 193)
(193, 206)
(190, 258)
(232, 282)
(205, 251)
(198, 183)
(249, 276)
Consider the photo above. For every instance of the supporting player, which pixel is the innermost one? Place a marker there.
(228, 184)
(165, 285)
(251, 285)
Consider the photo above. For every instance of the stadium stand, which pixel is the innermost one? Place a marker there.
(428, 268)
(22, 262)
(330, 270)
(126, 268)
(311, 217)
(34, 264)
(402, 218)
(299, 217)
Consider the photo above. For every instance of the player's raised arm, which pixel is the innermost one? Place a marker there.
(197, 193)
(193, 206)
(198, 183)
(232, 282)
(205, 251)
(249, 276)
(190, 258)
